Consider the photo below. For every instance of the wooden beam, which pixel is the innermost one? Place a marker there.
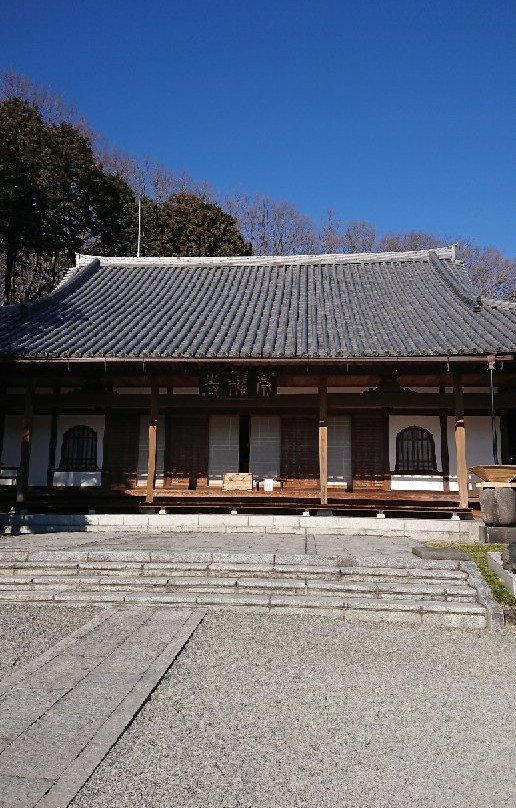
(99, 402)
(323, 441)
(460, 442)
(153, 441)
(22, 482)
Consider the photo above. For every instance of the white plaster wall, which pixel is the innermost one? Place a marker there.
(479, 446)
(143, 451)
(79, 478)
(38, 463)
(415, 482)
(11, 447)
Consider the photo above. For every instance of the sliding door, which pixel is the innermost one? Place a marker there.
(265, 446)
(224, 446)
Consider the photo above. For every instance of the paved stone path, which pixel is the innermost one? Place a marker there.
(61, 713)
(287, 543)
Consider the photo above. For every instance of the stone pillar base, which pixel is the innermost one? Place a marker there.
(497, 534)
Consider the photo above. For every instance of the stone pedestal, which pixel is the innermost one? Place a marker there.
(500, 535)
(498, 505)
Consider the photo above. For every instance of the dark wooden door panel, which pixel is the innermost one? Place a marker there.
(368, 451)
(186, 449)
(299, 447)
(121, 440)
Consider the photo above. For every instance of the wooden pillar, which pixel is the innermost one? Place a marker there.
(22, 482)
(153, 441)
(460, 442)
(323, 440)
(52, 444)
(386, 458)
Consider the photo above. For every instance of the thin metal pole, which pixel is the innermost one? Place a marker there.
(139, 226)
(493, 416)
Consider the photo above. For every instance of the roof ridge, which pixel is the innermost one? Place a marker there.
(266, 260)
(462, 287)
(63, 288)
(497, 303)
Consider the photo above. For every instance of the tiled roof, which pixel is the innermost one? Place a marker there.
(324, 306)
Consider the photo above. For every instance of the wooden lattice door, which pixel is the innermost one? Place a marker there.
(368, 440)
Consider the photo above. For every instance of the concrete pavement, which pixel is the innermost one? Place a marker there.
(61, 713)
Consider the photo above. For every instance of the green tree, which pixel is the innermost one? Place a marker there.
(55, 200)
(22, 200)
(188, 224)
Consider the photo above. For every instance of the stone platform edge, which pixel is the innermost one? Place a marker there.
(450, 529)
(508, 578)
(494, 612)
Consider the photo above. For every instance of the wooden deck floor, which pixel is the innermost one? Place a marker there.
(133, 500)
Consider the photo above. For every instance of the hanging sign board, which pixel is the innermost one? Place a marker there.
(238, 384)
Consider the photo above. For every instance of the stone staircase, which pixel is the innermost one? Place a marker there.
(444, 593)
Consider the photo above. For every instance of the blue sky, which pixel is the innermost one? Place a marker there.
(401, 112)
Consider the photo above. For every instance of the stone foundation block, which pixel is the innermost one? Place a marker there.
(501, 535)
(300, 601)
(93, 597)
(243, 558)
(178, 557)
(166, 598)
(270, 583)
(507, 577)
(233, 600)
(305, 569)
(197, 581)
(335, 614)
(22, 595)
(140, 556)
(351, 614)
(468, 621)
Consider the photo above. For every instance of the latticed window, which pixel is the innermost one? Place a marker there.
(79, 451)
(415, 451)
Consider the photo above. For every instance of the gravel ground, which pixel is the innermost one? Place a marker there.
(282, 711)
(28, 631)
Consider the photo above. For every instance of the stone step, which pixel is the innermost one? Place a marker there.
(425, 590)
(144, 575)
(450, 614)
(135, 559)
(298, 568)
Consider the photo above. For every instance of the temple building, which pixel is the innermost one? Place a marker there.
(358, 382)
